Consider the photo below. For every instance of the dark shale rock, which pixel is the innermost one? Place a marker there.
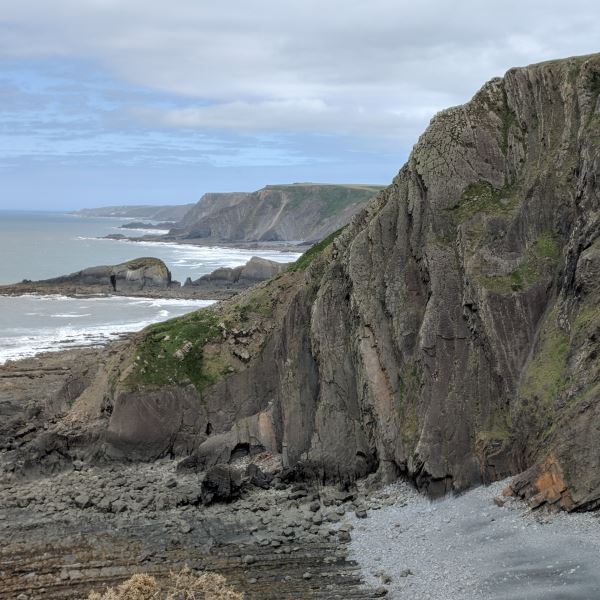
(221, 483)
(257, 477)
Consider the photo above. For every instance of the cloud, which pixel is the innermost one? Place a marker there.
(310, 116)
(246, 92)
(301, 65)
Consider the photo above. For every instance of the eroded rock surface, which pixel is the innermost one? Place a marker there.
(449, 332)
(238, 278)
(91, 527)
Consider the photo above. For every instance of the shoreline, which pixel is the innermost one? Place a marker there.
(105, 519)
(105, 523)
(364, 542)
(181, 293)
(291, 247)
(69, 332)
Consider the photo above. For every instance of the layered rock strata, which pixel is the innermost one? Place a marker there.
(276, 213)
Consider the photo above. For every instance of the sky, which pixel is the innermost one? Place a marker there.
(108, 102)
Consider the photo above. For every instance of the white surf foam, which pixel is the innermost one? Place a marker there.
(27, 333)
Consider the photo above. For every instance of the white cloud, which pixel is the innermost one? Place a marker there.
(331, 66)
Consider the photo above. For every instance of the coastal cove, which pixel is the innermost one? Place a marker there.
(36, 245)
(39, 245)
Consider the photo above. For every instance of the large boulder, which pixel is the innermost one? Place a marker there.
(222, 483)
(131, 276)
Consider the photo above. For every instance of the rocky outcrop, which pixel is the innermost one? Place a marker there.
(150, 277)
(132, 276)
(449, 334)
(255, 270)
(275, 213)
(166, 225)
(91, 527)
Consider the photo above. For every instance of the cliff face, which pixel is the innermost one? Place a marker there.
(295, 212)
(449, 333)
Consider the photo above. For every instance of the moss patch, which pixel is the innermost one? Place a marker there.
(257, 302)
(539, 259)
(546, 376)
(306, 259)
(483, 198)
(546, 246)
(498, 429)
(587, 320)
(172, 352)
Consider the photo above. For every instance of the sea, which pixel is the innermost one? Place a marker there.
(40, 245)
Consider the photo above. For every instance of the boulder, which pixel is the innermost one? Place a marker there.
(131, 276)
(221, 483)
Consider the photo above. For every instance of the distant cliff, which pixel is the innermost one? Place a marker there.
(174, 212)
(297, 212)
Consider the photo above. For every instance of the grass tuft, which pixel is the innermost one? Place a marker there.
(482, 197)
(172, 352)
(185, 585)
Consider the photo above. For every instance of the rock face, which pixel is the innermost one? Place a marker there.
(295, 212)
(449, 334)
(135, 275)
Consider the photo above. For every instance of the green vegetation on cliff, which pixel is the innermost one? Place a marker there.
(306, 259)
(545, 376)
(172, 352)
(258, 302)
(333, 198)
(539, 259)
(483, 197)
